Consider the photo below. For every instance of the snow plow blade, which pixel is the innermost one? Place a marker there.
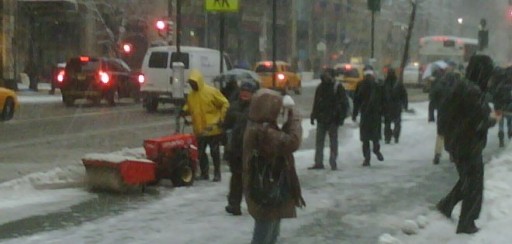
(118, 173)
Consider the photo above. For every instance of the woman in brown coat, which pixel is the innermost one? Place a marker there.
(275, 146)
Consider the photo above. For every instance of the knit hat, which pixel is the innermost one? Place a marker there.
(249, 86)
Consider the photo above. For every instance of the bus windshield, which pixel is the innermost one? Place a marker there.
(448, 48)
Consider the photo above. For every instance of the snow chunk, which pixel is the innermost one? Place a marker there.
(410, 227)
(422, 221)
(388, 239)
(119, 156)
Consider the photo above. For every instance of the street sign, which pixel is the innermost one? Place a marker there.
(221, 5)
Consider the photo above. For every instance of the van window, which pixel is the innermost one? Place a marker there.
(184, 58)
(76, 66)
(158, 60)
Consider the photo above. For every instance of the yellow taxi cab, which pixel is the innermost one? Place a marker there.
(285, 78)
(8, 104)
(350, 75)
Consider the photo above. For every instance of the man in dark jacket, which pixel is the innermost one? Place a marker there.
(465, 127)
(502, 100)
(275, 147)
(440, 91)
(396, 99)
(330, 108)
(368, 100)
(235, 121)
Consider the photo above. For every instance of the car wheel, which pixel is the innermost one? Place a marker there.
(8, 109)
(151, 105)
(298, 89)
(68, 101)
(111, 97)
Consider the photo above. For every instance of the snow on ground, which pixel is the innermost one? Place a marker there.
(195, 214)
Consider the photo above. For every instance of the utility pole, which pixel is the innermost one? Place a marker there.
(293, 46)
(221, 41)
(178, 27)
(274, 41)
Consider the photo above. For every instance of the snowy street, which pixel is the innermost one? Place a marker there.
(351, 205)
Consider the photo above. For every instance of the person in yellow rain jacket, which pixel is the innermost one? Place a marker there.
(207, 107)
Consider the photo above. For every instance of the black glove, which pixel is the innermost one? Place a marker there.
(354, 118)
(312, 121)
(182, 113)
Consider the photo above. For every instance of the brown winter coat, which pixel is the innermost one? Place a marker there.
(274, 143)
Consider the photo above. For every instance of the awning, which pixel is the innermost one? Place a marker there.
(50, 6)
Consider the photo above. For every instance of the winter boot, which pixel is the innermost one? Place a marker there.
(317, 166)
(233, 210)
(366, 163)
(501, 136)
(437, 157)
(216, 171)
(441, 207)
(467, 228)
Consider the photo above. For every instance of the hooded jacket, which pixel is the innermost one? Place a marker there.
(276, 146)
(207, 107)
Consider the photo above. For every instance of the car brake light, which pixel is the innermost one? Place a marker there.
(280, 76)
(84, 59)
(348, 66)
(104, 78)
(268, 64)
(141, 78)
(60, 76)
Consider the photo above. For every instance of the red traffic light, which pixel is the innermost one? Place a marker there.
(127, 48)
(161, 25)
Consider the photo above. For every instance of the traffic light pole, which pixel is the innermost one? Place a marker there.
(178, 28)
(373, 35)
(274, 41)
(221, 41)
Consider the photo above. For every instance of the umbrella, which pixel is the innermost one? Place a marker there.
(440, 64)
(241, 75)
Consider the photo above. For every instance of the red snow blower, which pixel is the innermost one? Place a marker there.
(173, 157)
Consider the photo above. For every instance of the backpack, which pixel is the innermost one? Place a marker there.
(268, 189)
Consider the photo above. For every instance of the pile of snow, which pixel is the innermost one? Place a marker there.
(136, 154)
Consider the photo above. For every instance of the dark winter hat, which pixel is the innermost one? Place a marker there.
(479, 70)
(249, 86)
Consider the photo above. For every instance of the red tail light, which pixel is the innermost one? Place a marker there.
(84, 59)
(104, 77)
(60, 76)
(141, 78)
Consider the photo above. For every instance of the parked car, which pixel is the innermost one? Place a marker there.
(8, 104)
(412, 74)
(350, 75)
(99, 78)
(285, 78)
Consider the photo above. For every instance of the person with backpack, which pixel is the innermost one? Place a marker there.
(271, 186)
(395, 97)
(368, 101)
(465, 126)
(330, 107)
(235, 122)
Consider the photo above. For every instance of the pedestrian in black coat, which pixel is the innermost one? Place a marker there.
(330, 108)
(465, 127)
(368, 100)
(395, 99)
(235, 122)
(502, 100)
(440, 91)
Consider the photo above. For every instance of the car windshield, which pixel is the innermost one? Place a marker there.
(80, 66)
(383, 122)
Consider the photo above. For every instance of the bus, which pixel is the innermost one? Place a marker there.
(446, 48)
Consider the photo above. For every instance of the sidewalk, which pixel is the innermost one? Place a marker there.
(26, 95)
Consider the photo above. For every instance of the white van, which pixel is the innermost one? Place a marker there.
(157, 70)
